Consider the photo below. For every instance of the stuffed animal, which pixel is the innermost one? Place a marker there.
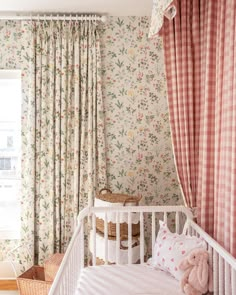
(197, 277)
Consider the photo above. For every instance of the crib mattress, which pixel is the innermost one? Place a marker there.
(126, 280)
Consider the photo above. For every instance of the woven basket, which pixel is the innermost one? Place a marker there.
(118, 198)
(51, 266)
(32, 282)
(111, 228)
(122, 199)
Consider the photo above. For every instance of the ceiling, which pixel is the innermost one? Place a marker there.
(108, 7)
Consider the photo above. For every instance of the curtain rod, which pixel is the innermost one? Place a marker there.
(102, 18)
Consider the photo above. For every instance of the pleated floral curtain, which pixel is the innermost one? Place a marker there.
(63, 146)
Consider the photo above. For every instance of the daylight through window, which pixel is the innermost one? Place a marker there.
(10, 152)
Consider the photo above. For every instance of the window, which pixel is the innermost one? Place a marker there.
(10, 153)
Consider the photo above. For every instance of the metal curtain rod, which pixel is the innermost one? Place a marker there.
(102, 18)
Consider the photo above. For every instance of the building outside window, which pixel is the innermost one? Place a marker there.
(10, 153)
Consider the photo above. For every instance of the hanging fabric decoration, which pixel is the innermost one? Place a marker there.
(160, 9)
(63, 144)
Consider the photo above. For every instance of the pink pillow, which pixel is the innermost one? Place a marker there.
(170, 248)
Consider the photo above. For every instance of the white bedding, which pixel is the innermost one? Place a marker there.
(133, 279)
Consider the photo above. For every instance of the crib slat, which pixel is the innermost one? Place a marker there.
(73, 262)
(117, 238)
(141, 238)
(106, 238)
(221, 275)
(227, 279)
(94, 238)
(87, 248)
(210, 252)
(153, 231)
(189, 230)
(233, 281)
(82, 245)
(129, 239)
(215, 273)
(177, 222)
(165, 217)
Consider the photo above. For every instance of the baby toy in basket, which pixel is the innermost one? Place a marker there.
(197, 277)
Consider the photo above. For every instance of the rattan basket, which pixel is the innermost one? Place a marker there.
(120, 199)
(51, 266)
(32, 282)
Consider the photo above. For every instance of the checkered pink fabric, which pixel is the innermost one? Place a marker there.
(200, 57)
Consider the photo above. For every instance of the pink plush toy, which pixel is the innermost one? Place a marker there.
(197, 278)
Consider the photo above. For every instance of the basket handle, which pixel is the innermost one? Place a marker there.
(125, 238)
(132, 200)
(105, 189)
(9, 259)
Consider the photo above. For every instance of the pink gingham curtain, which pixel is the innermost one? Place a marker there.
(200, 56)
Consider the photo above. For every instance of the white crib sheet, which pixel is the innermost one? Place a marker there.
(126, 280)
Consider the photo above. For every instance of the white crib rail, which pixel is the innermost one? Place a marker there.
(66, 280)
(224, 265)
(156, 213)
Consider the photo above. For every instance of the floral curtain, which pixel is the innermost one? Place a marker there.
(63, 149)
(200, 57)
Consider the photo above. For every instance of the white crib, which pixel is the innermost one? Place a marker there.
(68, 276)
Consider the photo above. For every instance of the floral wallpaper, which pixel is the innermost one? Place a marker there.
(139, 152)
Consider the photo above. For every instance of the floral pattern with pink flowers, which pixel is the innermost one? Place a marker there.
(139, 150)
(139, 154)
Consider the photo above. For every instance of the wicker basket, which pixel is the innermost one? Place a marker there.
(111, 228)
(32, 282)
(52, 265)
(120, 199)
